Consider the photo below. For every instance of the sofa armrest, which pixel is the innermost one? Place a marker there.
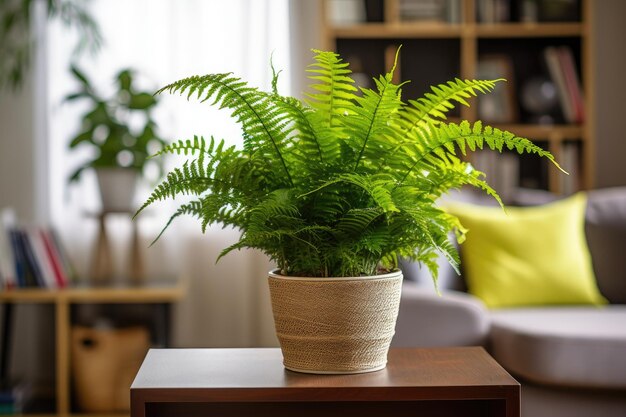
(452, 319)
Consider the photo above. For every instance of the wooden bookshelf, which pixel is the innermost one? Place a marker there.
(529, 30)
(63, 299)
(454, 50)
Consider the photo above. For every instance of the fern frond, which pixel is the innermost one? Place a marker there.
(457, 174)
(442, 140)
(334, 86)
(275, 208)
(372, 122)
(342, 184)
(192, 208)
(262, 123)
(377, 187)
(189, 147)
(186, 180)
(432, 107)
(357, 221)
(308, 139)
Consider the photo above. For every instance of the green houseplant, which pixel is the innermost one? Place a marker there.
(340, 185)
(123, 134)
(17, 39)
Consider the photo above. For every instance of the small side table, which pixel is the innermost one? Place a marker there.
(463, 381)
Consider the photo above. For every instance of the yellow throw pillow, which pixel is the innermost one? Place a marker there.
(528, 255)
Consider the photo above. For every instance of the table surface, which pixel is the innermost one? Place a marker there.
(224, 369)
(253, 382)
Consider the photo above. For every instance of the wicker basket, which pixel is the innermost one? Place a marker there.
(335, 325)
(104, 363)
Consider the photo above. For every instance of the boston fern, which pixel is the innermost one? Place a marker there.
(342, 184)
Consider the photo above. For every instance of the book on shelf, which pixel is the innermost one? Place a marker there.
(422, 10)
(572, 80)
(453, 11)
(21, 270)
(60, 271)
(46, 277)
(439, 11)
(65, 262)
(32, 257)
(346, 12)
(501, 171)
(493, 11)
(562, 70)
(33, 276)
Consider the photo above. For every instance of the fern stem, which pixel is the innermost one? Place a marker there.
(303, 118)
(369, 130)
(280, 155)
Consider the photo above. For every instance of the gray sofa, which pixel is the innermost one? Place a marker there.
(570, 360)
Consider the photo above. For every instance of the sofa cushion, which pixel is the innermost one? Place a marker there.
(606, 235)
(568, 346)
(427, 319)
(528, 256)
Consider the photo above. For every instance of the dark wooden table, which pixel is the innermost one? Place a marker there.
(462, 381)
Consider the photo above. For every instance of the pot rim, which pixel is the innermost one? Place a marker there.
(274, 273)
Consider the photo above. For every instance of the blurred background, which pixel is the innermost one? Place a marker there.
(66, 63)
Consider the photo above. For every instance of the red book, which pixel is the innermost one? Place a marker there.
(573, 83)
(55, 260)
(557, 74)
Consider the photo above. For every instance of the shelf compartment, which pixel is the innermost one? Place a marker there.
(369, 56)
(62, 300)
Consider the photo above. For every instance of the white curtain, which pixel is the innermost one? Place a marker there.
(165, 40)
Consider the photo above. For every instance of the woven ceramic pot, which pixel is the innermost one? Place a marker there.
(335, 325)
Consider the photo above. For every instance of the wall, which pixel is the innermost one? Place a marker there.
(18, 173)
(17, 152)
(304, 24)
(23, 187)
(610, 67)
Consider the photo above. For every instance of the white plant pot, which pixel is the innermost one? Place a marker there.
(335, 325)
(117, 188)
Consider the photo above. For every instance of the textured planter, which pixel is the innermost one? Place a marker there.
(335, 325)
(117, 188)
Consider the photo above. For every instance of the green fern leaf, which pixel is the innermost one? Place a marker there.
(342, 184)
(334, 86)
(371, 126)
(262, 123)
(189, 147)
(432, 108)
(438, 138)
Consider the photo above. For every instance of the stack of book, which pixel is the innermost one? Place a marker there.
(31, 256)
(562, 69)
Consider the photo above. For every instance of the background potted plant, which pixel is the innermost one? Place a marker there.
(334, 190)
(123, 134)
